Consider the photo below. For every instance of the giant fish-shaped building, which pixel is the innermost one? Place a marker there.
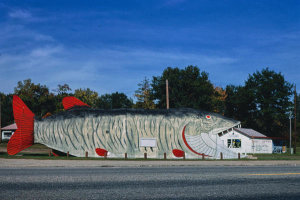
(80, 129)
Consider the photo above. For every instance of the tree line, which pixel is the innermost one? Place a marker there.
(262, 103)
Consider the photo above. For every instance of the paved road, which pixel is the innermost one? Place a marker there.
(29, 163)
(202, 182)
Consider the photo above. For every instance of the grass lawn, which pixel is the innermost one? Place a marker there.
(39, 151)
(35, 146)
(282, 156)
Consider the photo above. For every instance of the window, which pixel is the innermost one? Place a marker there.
(234, 143)
(7, 133)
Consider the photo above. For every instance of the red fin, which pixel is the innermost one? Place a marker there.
(70, 102)
(23, 136)
(54, 154)
(178, 153)
(101, 152)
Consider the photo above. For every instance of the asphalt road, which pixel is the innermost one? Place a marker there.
(204, 182)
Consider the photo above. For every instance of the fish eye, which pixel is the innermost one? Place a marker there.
(208, 117)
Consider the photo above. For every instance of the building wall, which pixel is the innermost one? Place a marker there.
(248, 145)
(262, 146)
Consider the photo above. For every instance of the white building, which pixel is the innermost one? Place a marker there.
(8, 131)
(244, 140)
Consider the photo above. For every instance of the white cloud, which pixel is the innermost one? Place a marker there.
(45, 51)
(26, 53)
(104, 70)
(20, 14)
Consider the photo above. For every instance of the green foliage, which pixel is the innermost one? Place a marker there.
(298, 118)
(62, 91)
(87, 96)
(37, 97)
(144, 95)
(187, 88)
(114, 101)
(261, 104)
(6, 109)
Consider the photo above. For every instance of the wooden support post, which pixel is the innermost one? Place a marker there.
(145, 155)
(239, 155)
(203, 157)
(221, 156)
(68, 154)
(86, 154)
(105, 155)
(165, 156)
(125, 156)
(295, 120)
(0, 123)
(167, 93)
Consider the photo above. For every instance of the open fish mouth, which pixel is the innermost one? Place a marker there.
(192, 142)
(204, 144)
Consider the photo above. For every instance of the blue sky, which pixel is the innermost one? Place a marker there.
(111, 46)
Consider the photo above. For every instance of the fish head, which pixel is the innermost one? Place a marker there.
(207, 122)
(200, 133)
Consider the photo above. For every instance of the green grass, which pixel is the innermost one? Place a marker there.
(35, 154)
(282, 156)
(34, 146)
(41, 156)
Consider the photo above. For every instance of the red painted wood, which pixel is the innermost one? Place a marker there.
(54, 154)
(178, 153)
(101, 152)
(23, 136)
(70, 102)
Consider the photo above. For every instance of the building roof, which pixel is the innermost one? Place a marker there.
(250, 133)
(10, 127)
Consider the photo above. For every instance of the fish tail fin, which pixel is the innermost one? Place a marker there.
(23, 136)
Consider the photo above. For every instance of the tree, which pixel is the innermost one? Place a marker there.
(7, 116)
(61, 91)
(298, 118)
(114, 101)
(218, 100)
(144, 95)
(87, 96)
(272, 99)
(37, 97)
(239, 104)
(262, 104)
(187, 88)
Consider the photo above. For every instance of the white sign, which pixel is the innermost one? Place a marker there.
(147, 142)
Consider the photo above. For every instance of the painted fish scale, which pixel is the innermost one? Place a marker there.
(77, 134)
(81, 129)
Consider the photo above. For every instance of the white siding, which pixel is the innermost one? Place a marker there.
(248, 145)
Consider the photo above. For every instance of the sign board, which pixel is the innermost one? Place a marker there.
(147, 142)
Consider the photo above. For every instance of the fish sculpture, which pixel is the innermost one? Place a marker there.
(81, 130)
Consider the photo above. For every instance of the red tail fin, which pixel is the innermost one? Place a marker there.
(24, 118)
